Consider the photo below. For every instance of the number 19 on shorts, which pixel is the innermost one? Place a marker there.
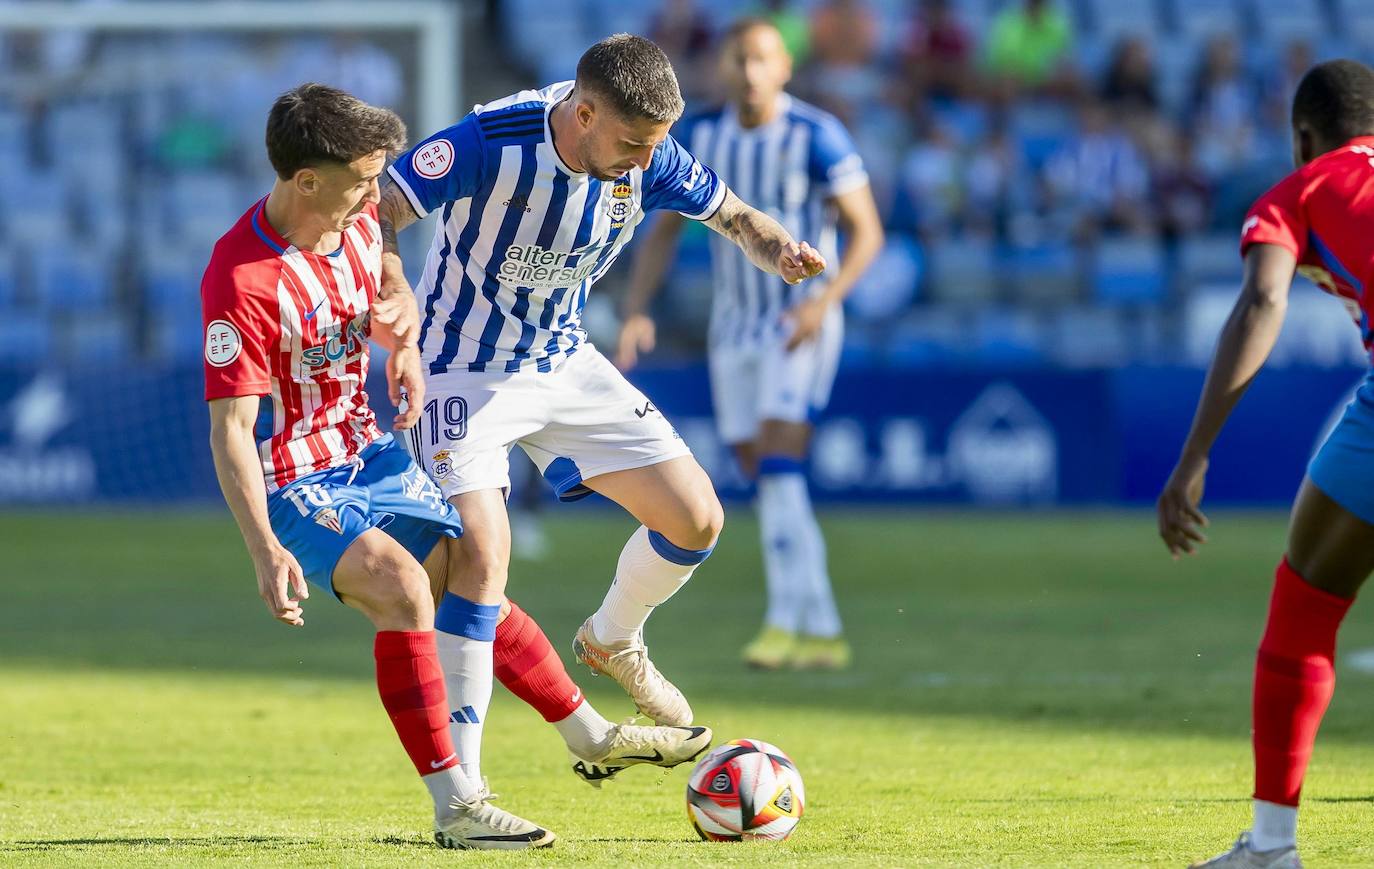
(455, 421)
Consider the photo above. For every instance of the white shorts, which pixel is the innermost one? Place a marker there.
(579, 421)
(754, 382)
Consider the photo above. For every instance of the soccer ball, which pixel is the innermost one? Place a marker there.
(745, 789)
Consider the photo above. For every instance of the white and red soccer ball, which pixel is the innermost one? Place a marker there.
(745, 789)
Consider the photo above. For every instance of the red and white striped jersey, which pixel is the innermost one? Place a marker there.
(292, 326)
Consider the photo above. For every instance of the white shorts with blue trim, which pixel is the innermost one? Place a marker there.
(752, 382)
(579, 421)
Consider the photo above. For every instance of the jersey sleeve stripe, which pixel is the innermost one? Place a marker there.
(711, 207)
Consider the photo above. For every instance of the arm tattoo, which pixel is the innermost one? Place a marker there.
(760, 237)
(394, 213)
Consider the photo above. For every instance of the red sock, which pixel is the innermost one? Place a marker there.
(1294, 677)
(411, 683)
(526, 664)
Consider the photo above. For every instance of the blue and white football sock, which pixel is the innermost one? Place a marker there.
(464, 632)
(651, 570)
(799, 594)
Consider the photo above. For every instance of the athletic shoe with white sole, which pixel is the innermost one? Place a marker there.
(1242, 856)
(632, 743)
(629, 665)
(480, 826)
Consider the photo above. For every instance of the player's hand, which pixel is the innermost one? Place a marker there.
(405, 382)
(279, 574)
(799, 261)
(1180, 520)
(807, 316)
(395, 309)
(637, 335)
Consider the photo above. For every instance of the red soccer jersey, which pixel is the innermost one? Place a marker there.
(1324, 214)
(292, 326)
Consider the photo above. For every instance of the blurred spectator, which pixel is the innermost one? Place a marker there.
(1098, 182)
(1029, 46)
(353, 64)
(931, 179)
(1182, 191)
(1298, 58)
(1130, 83)
(1223, 107)
(793, 25)
(844, 53)
(684, 33)
(993, 181)
(937, 53)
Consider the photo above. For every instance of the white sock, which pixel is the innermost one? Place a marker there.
(468, 678)
(651, 570)
(448, 786)
(794, 550)
(776, 538)
(1276, 826)
(586, 732)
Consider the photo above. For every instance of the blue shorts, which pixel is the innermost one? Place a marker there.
(320, 515)
(1343, 467)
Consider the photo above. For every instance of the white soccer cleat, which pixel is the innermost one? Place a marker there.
(1242, 856)
(480, 826)
(654, 695)
(631, 744)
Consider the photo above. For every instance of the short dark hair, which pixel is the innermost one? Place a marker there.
(634, 76)
(315, 123)
(1336, 100)
(743, 25)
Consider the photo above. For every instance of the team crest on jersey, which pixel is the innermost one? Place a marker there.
(442, 464)
(328, 517)
(621, 204)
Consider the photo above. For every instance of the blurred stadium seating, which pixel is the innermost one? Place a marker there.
(1075, 202)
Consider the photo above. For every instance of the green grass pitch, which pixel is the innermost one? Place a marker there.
(1029, 690)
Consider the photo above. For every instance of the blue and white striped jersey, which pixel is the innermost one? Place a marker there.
(522, 237)
(789, 168)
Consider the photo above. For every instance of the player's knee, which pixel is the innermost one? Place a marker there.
(480, 572)
(700, 523)
(398, 595)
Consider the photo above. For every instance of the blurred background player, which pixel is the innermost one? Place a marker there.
(318, 491)
(774, 348)
(539, 192)
(1318, 222)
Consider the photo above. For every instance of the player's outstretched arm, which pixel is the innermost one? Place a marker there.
(764, 241)
(655, 254)
(863, 231)
(239, 470)
(1246, 340)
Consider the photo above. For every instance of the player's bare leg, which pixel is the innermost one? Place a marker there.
(802, 624)
(681, 518)
(1330, 555)
(380, 579)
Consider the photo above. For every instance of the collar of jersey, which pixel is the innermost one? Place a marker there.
(557, 95)
(274, 240)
